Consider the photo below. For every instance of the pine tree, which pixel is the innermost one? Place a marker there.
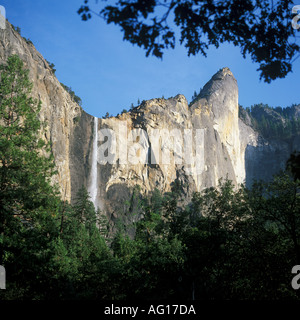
(194, 95)
(24, 173)
(84, 208)
(103, 223)
(28, 201)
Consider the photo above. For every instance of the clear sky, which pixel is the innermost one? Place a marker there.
(109, 74)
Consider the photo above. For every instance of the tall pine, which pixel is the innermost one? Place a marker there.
(28, 202)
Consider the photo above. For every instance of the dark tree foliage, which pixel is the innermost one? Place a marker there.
(27, 200)
(50, 250)
(261, 28)
(227, 243)
(278, 123)
(17, 29)
(293, 165)
(74, 97)
(51, 66)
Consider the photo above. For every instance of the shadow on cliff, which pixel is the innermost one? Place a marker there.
(263, 161)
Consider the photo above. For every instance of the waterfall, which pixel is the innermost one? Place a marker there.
(93, 189)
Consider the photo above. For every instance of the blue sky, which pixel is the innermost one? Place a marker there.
(109, 74)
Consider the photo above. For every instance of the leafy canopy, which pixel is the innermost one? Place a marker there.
(261, 28)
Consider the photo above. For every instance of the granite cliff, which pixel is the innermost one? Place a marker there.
(219, 142)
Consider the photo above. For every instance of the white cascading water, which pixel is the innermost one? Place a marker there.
(93, 190)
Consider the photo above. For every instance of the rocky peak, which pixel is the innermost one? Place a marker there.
(221, 79)
(219, 97)
(226, 148)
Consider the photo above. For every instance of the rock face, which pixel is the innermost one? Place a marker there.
(58, 109)
(151, 145)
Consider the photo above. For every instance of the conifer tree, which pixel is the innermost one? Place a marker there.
(28, 201)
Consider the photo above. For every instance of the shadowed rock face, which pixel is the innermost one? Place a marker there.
(227, 147)
(58, 109)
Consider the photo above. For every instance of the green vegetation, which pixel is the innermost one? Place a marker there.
(260, 28)
(51, 66)
(194, 97)
(226, 244)
(28, 41)
(76, 119)
(106, 116)
(74, 97)
(27, 201)
(18, 30)
(272, 122)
